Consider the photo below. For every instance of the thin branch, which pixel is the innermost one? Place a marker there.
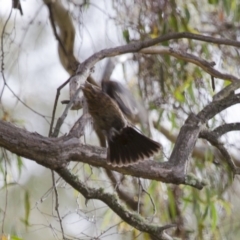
(225, 92)
(216, 107)
(205, 65)
(151, 199)
(139, 195)
(225, 128)
(55, 107)
(64, 114)
(6, 194)
(57, 204)
(3, 74)
(122, 194)
(192, 36)
(131, 218)
(212, 138)
(52, 172)
(2, 46)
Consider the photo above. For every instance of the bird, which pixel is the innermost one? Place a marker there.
(126, 102)
(125, 144)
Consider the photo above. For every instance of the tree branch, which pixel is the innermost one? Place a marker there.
(206, 66)
(212, 138)
(197, 151)
(216, 107)
(55, 153)
(139, 45)
(131, 218)
(225, 128)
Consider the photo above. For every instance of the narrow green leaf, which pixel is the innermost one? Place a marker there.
(227, 5)
(187, 14)
(19, 164)
(214, 216)
(27, 208)
(205, 212)
(16, 238)
(172, 204)
(213, 2)
(126, 35)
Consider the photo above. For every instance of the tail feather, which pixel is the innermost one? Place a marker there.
(116, 158)
(129, 147)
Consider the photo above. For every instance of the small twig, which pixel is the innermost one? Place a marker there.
(3, 74)
(6, 195)
(81, 77)
(151, 199)
(103, 232)
(125, 196)
(139, 194)
(57, 204)
(2, 44)
(55, 106)
(3, 54)
(52, 172)
(213, 83)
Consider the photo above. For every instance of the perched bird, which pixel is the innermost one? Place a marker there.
(126, 145)
(134, 110)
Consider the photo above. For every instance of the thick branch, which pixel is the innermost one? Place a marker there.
(43, 150)
(185, 142)
(56, 153)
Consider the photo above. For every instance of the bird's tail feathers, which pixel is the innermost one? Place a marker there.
(129, 147)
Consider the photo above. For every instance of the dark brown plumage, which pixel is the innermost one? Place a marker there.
(134, 110)
(126, 145)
